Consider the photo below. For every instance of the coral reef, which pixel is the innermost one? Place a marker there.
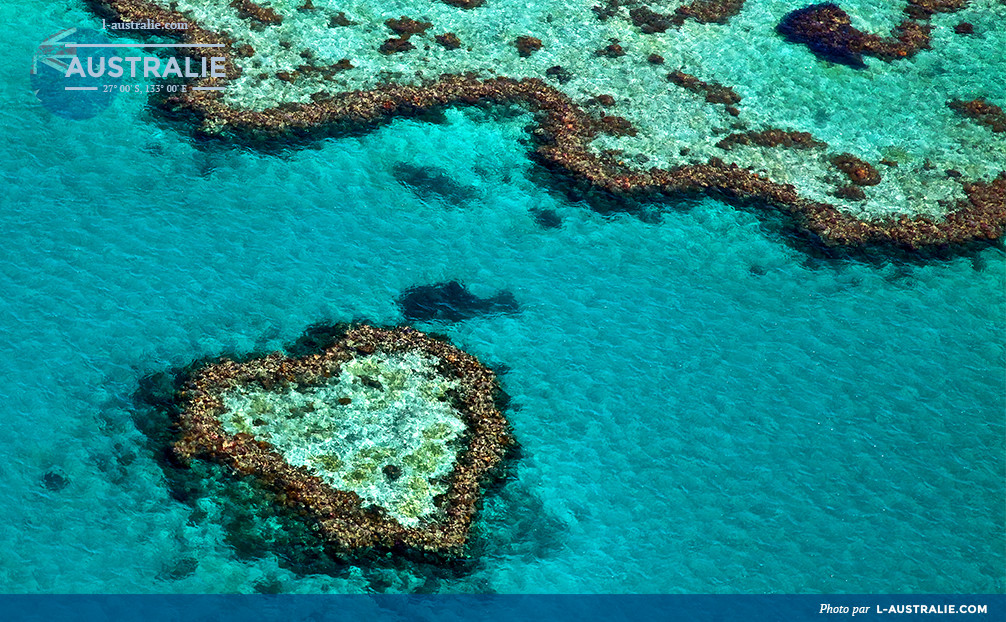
(851, 193)
(382, 439)
(612, 50)
(395, 45)
(828, 32)
(859, 172)
(340, 20)
(924, 9)
(55, 480)
(981, 111)
(526, 46)
(712, 92)
(406, 26)
(449, 40)
(565, 130)
(562, 76)
(650, 21)
(249, 10)
(710, 11)
(773, 137)
(464, 4)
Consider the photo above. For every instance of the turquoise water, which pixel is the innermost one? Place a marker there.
(703, 406)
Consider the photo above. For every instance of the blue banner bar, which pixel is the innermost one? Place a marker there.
(492, 608)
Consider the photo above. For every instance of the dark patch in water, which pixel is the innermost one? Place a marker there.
(181, 568)
(114, 464)
(515, 521)
(434, 115)
(821, 29)
(500, 369)
(124, 457)
(546, 218)
(978, 263)
(55, 480)
(899, 273)
(452, 302)
(379, 584)
(429, 182)
(572, 191)
(268, 586)
(209, 160)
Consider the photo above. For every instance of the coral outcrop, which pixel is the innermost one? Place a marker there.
(383, 439)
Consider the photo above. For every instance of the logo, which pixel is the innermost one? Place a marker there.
(76, 73)
(72, 95)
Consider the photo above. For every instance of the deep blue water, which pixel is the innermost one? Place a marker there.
(702, 405)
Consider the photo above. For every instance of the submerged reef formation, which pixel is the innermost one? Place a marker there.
(311, 72)
(981, 111)
(649, 21)
(712, 92)
(383, 439)
(924, 9)
(452, 302)
(431, 183)
(827, 30)
(773, 137)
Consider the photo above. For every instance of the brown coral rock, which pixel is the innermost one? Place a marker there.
(851, 193)
(924, 9)
(858, 171)
(613, 50)
(773, 137)
(249, 10)
(714, 93)
(828, 32)
(406, 26)
(983, 112)
(964, 28)
(711, 11)
(448, 40)
(395, 45)
(526, 46)
(340, 20)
